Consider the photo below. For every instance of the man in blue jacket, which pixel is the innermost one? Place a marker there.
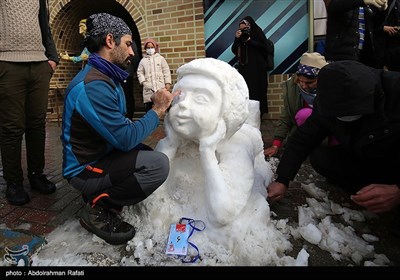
(101, 147)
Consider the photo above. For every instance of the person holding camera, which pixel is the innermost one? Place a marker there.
(251, 48)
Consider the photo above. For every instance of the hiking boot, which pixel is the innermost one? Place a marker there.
(106, 224)
(16, 195)
(41, 184)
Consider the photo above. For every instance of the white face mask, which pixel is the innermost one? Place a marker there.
(150, 51)
(349, 118)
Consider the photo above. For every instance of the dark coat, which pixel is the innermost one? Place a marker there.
(292, 103)
(342, 35)
(254, 69)
(47, 39)
(373, 139)
(392, 54)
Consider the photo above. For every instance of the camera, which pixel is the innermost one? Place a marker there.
(245, 34)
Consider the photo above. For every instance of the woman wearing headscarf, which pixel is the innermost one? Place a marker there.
(251, 48)
(299, 92)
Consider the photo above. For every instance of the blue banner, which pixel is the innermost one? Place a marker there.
(285, 22)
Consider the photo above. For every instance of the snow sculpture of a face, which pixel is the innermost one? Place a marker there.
(210, 90)
(197, 107)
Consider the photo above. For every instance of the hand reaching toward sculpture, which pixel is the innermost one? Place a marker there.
(276, 191)
(271, 151)
(162, 99)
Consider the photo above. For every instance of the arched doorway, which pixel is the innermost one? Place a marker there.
(65, 30)
(67, 38)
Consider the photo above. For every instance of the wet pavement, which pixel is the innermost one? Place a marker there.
(26, 227)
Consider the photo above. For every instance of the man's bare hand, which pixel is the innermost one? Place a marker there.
(162, 100)
(271, 151)
(276, 191)
(378, 198)
(52, 64)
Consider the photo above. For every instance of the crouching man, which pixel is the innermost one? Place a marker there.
(102, 152)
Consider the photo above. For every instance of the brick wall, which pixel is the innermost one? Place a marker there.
(177, 25)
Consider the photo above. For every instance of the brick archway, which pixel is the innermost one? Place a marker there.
(64, 19)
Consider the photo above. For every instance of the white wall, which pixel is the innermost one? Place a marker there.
(319, 18)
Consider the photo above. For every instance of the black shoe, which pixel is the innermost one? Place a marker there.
(16, 195)
(41, 184)
(106, 224)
